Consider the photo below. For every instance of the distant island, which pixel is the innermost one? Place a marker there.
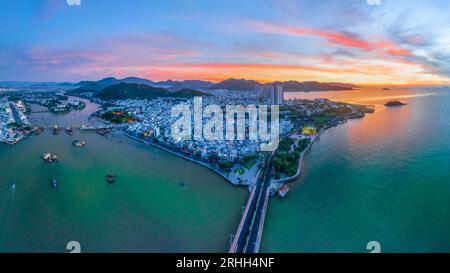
(394, 103)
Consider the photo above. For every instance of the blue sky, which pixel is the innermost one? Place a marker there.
(387, 42)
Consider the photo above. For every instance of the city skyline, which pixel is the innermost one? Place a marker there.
(364, 43)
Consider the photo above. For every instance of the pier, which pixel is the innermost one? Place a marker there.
(85, 128)
(96, 128)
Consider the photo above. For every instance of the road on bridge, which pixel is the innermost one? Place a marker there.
(249, 233)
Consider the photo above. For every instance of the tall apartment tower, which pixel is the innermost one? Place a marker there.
(271, 92)
(279, 94)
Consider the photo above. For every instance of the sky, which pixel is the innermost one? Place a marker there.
(365, 42)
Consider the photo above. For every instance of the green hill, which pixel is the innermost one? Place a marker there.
(188, 93)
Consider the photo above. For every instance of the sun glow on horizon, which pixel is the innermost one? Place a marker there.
(347, 41)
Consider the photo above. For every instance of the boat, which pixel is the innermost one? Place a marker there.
(50, 158)
(13, 187)
(37, 130)
(69, 131)
(56, 130)
(111, 178)
(54, 183)
(78, 144)
(282, 192)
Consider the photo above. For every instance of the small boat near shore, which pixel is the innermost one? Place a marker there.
(78, 144)
(283, 191)
(37, 130)
(69, 131)
(56, 130)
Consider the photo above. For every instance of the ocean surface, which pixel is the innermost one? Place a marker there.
(384, 178)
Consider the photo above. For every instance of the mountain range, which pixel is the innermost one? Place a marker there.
(123, 91)
(229, 84)
(169, 84)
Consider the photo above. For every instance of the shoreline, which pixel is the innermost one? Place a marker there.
(281, 182)
(206, 165)
(291, 179)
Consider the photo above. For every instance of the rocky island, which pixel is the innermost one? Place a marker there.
(394, 103)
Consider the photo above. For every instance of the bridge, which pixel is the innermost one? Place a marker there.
(249, 233)
(82, 127)
(95, 128)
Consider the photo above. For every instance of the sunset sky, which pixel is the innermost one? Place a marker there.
(366, 42)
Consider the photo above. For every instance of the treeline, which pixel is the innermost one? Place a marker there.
(287, 157)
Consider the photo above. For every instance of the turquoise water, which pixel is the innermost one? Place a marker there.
(383, 178)
(160, 203)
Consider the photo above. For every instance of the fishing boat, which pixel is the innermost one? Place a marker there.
(50, 158)
(69, 131)
(54, 183)
(111, 178)
(56, 130)
(13, 187)
(283, 191)
(78, 144)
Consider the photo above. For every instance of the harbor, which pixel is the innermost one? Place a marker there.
(84, 204)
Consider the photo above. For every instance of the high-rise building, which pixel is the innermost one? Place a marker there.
(279, 94)
(273, 93)
(259, 90)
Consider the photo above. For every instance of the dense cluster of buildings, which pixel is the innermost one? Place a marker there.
(154, 121)
(54, 102)
(311, 107)
(65, 106)
(270, 94)
(13, 121)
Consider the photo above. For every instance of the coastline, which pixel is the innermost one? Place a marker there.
(291, 179)
(281, 182)
(206, 165)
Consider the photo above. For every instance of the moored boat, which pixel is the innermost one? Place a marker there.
(56, 130)
(283, 191)
(69, 131)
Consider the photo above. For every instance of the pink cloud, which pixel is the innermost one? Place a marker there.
(342, 39)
